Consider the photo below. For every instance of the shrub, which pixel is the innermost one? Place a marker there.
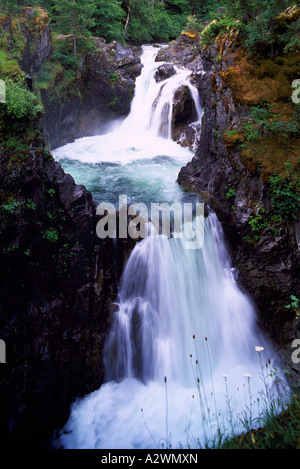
(20, 102)
(50, 235)
(216, 28)
(193, 26)
(285, 200)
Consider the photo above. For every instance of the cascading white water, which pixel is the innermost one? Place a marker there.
(182, 322)
(152, 107)
(167, 295)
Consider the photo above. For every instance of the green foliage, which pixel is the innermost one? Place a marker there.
(258, 222)
(9, 68)
(50, 235)
(11, 206)
(165, 26)
(109, 19)
(207, 11)
(218, 27)
(284, 197)
(51, 192)
(230, 193)
(138, 25)
(263, 32)
(30, 205)
(252, 133)
(264, 121)
(74, 17)
(193, 25)
(276, 431)
(290, 38)
(261, 114)
(20, 102)
(63, 55)
(294, 305)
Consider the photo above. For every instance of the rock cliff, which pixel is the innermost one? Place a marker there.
(102, 91)
(58, 279)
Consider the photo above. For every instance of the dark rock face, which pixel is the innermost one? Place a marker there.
(108, 80)
(58, 281)
(184, 52)
(184, 113)
(36, 31)
(106, 86)
(60, 120)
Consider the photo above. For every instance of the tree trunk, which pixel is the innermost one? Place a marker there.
(75, 46)
(127, 19)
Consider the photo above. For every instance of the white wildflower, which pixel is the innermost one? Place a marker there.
(258, 349)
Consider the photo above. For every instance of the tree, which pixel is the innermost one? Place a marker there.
(75, 17)
(139, 20)
(109, 18)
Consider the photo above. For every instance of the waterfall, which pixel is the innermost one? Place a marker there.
(169, 294)
(184, 352)
(152, 107)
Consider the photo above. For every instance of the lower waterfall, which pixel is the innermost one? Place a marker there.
(185, 358)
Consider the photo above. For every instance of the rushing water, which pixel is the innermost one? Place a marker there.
(180, 358)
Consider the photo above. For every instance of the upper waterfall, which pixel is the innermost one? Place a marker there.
(153, 104)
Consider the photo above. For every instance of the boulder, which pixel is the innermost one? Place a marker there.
(164, 71)
(184, 113)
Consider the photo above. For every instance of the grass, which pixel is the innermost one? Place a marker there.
(263, 422)
(276, 426)
(276, 432)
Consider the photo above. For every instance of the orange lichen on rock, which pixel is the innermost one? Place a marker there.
(260, 81)
(190, 34)
(34, 18)
(271, 156)
(288, 16)
(233, 139)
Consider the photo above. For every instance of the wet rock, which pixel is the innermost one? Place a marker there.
(106, 84)
(57, 284)
(184, 113)
(164, 71)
